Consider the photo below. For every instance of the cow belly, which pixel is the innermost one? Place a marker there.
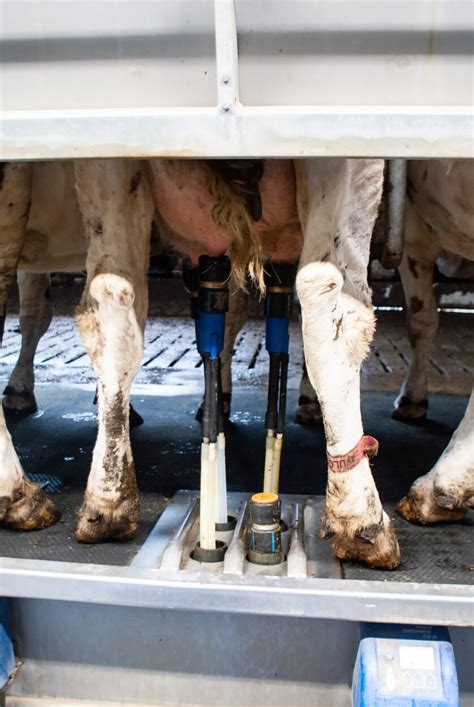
(441, 191)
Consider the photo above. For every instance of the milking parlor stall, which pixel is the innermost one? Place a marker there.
(262, 557)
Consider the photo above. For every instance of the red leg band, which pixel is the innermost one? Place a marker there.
(366, 447)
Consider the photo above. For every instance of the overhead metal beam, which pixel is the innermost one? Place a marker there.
(276, 131)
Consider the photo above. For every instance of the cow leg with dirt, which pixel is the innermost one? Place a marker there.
(23, 504)
(416, 271)
(447, 491)
(36, 312)
(337, 202)
(117, 208)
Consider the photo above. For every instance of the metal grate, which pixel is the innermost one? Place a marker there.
(170, 353)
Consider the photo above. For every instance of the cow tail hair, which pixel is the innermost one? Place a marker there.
(230, 212)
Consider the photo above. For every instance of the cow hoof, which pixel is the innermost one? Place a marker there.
(18, 404)
(308, 413)
(135, 418)
(374, 546)
(100, 520)
(406, 410)
(29, 508)
(425, 505)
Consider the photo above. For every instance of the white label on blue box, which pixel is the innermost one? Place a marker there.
(417, 658)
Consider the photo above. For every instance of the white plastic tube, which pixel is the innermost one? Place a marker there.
(275, 476)
(207, 523)
(221, 482)
(268, 468)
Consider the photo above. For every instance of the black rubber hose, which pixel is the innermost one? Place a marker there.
(271, 417)
(283, 389)
(214, 394)
(206, 415)
(220, 402)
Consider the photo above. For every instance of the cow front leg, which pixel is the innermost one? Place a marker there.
(117, 211)
(23, 504)
(337, 203)
(337, 330)
(36, 312)
(447, 491)
(416, 272)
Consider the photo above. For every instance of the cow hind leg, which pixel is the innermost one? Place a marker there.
(118, 211)
(114, 341)
(447, 491)
(23, 504)
(36, 311)
(416, 272)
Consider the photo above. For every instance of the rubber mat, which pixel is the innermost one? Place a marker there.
(443, 553)
(57, 543)
(55, 447)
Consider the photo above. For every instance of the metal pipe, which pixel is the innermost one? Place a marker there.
(396, 189)
(296, 555)
(227, 58)
(235, 555)
(173, 552)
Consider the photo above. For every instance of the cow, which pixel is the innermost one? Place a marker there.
(321, 211)
(439, 229)
(439, 224)
(54, 241)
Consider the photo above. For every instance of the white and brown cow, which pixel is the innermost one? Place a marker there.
(440, 223)
(54, 240)
(439, 228)
(321, 211)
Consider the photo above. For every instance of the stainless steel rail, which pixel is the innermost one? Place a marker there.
(366, 78)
